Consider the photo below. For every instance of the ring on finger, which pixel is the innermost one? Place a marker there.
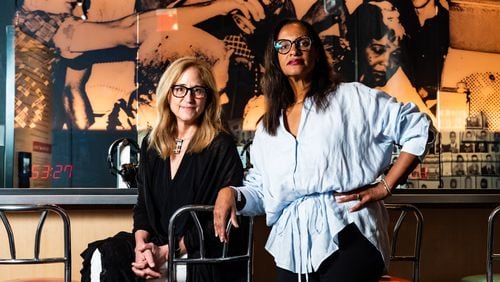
(358, 197)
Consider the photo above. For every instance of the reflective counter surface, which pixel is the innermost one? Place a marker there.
(68, 196)
(113, 196)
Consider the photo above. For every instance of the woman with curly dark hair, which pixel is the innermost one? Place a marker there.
(319, 157)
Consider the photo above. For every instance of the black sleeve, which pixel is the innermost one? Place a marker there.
(226, 169)
(141, 220)
(228, 164)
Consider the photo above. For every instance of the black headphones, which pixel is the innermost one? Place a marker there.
(128, 171)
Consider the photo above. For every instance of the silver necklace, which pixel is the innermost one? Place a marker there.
(178, 145)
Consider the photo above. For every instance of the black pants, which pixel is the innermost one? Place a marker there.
(357, 260)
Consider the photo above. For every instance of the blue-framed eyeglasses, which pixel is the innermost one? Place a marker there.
(283, 46)
(180, 91)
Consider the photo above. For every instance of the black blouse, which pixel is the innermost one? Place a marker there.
(198, 179)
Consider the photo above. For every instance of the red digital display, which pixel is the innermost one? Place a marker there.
(52, 172)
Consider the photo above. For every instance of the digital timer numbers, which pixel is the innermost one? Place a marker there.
(53, 172)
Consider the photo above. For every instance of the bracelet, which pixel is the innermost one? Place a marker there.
(240, 199)
(238, 194)
(386, 186)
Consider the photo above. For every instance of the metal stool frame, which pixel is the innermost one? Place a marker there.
(44, 211)
(491, 255)
(193, 210)
(415, 257)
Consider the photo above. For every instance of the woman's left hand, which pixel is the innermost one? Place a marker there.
(144, 265)
(365, 195)
(149, 259)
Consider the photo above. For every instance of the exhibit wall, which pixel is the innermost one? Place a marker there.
(86, 75)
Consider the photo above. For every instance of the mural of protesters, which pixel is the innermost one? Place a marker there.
(108, 83)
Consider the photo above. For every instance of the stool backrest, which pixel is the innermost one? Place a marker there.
(400, 221)
(43, 211)
(195, 211)
(491, 256)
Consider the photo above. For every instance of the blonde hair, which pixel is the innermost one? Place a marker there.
(163, 134)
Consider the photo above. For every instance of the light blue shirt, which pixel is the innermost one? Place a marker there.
(293, 180)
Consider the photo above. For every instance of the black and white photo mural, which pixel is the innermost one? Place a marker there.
(86, 71)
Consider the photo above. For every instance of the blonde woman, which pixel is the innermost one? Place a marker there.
(185, 159)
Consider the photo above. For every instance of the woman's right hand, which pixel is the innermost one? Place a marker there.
(225, 205)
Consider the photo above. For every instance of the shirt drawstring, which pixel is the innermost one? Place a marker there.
(300, 243)
(300, 249)
(300, 277)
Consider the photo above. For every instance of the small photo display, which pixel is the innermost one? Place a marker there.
(481, 147)
(494, 147)
(469, 182)
(458, 166)
(411, 184)
(446, 169)
(450, 142)
(452, 182)
(488, 165)
(473, 168)
(468, 136)
(432, 171)
(424, 171)
(466, 147)
(495, 182)
(428, 184)
(483, 135)
(475, 121)
(447, 157)
(415, 174)
(485, 182)
(496, 136)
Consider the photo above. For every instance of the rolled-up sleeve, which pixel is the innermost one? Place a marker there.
(407, 126)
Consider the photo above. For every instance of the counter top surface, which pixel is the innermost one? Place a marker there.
(69, 196)
(113, 196)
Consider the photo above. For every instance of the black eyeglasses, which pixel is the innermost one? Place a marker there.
(283, 46)
(180, 91)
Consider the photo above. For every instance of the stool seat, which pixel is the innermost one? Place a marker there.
(37, 280)
(388, 278)
(480, 278)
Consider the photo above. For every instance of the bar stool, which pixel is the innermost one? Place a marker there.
(414, 257)
(490, 253)
(43, 211)
(195, 211)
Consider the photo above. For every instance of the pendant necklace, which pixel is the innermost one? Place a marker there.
(178, 145)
